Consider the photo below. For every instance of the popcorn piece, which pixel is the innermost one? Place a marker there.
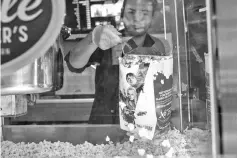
(141, 152)
(146, 60)
(131, 127)
(107, 139)
(131, 138)
(170, 152)
(162, 81)
(149, 156)
(166, 143)
(142, 132)
(197, 130)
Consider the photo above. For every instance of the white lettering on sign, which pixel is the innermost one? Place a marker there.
(5, 51)
(7, 33)
(22, 31)
(24, 6)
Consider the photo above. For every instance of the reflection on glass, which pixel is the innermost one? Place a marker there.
(180, 101)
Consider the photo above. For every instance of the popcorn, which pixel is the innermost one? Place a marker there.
(162, 81)
(131, 127)
(107, 139)
(131, 138)
(149, 156)
(197, 130)
(166, 143)
(182, 146)
(170, 152)
(141, 152)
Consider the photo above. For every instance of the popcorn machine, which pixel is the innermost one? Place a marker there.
(59, 119)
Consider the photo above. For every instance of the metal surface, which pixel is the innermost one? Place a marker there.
(13, 105)
(36, 77)
(212, 82)
(75, 134)
(54, 11)
(87, 100)
(179, 66)
(226, 21)
(185, 43)
(1, 123)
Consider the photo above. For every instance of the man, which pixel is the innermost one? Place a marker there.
(129, 110)
(131, 98)
(137, 17)
(133, 81)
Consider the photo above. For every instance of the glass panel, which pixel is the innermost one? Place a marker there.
(225, 53)
(197, 48)
(160, 106)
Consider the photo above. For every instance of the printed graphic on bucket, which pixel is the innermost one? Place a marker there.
(163, 85)
(145, 93)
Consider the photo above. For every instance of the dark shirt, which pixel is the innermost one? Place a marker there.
(105, 109)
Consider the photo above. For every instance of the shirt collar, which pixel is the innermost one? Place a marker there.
(130, 44)
(148, 42)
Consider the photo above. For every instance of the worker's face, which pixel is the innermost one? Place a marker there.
(138, 16)
(131, 94)
(131, 80)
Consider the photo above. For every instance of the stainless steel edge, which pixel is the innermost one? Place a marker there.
(212, 69)
(87, 100)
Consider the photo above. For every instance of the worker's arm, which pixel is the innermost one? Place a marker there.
(81, 53)
(104, 37)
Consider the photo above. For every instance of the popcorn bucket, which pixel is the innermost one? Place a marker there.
(145, 86)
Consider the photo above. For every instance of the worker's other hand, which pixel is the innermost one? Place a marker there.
(106, 37)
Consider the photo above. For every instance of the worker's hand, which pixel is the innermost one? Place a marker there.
(106, 37)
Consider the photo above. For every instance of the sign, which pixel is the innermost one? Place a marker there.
(78, 14)
(28, 29)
